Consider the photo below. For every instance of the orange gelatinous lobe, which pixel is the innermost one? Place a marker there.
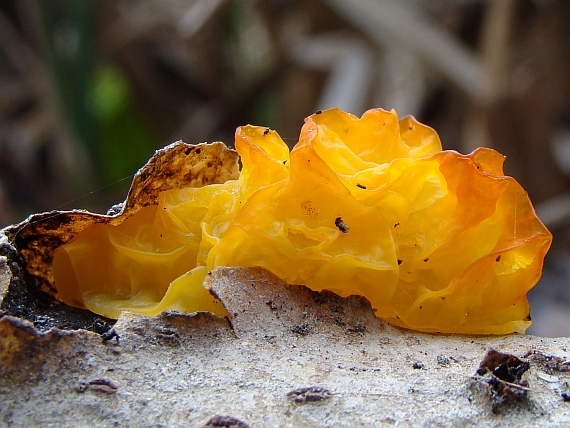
(435, 240)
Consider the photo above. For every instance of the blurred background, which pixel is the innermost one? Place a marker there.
(90, 88)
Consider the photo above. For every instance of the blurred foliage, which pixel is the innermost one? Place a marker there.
(125, 140)
(96, 98)
(68, 31)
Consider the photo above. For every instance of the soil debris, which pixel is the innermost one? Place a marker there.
(309, 393)
(225, 421)
(504, 375)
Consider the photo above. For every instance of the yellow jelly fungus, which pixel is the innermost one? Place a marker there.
(435, 240)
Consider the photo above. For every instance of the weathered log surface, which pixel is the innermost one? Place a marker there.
(289, 357)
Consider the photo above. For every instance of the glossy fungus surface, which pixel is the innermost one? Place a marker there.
(435, 240)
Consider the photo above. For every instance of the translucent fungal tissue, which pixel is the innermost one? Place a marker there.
(435, 240)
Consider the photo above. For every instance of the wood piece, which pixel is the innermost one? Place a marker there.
(291, 357)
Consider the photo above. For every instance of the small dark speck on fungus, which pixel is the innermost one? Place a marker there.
(342, 226)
